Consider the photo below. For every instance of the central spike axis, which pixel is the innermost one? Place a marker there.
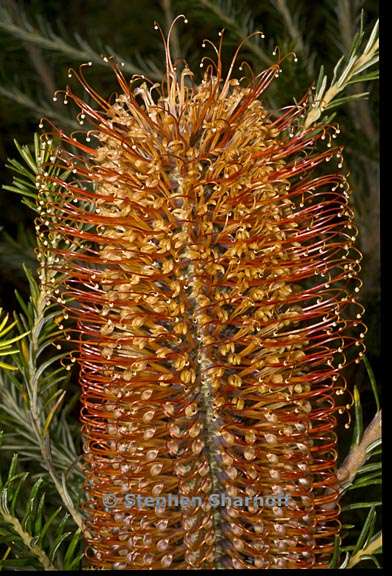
(207, 258)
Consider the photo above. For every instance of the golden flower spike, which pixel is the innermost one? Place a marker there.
(206, 255)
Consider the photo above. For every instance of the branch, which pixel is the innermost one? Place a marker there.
(368, 550)
(77, 50)
(343, 10)
(39, 109)
(38, 429)
(34, 53)
(356, 63)
(240, 31)
(292, 29)
(28, 540)
(359, 110)
(295, 34)
(358, 454)
(38, 320)
(41, 67)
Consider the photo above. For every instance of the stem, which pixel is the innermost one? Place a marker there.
(14, 94)
(295, 34)
(292, 29)
(28, 541)
(206, 390)
(358, 454)
(232, 24)
(319, 107)
(32, 389)
(211, 439)
(48, 40)
(370, 549)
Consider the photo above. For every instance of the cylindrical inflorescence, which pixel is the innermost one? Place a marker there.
(206, 254)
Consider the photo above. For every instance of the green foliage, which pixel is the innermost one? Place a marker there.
(357, 546)
(39, 32)
(350, 69)
(24, 180)
(240, 22)
(6, 344)
(16, 252)
(35, 534)
(41, 523)
(361, 540)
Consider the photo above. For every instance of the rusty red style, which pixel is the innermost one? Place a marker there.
(205, 250)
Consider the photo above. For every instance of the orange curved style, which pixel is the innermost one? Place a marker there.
(205, 250)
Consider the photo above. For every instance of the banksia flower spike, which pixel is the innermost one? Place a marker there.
(206, 252)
